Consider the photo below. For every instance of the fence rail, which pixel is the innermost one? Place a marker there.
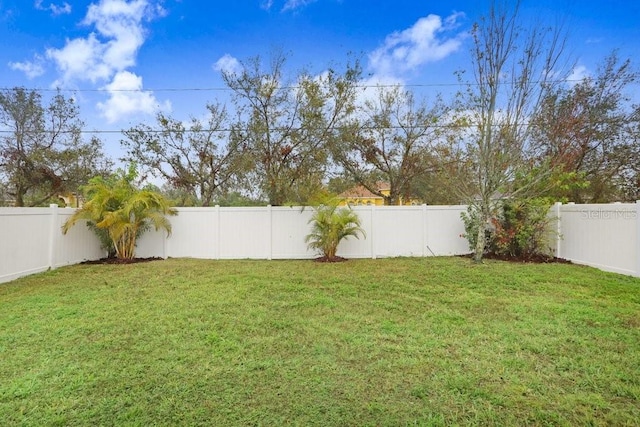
(603, 236)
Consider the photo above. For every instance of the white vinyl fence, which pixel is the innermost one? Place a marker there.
(603, 236)
(31, 241)
(279, 233)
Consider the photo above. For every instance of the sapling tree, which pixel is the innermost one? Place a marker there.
(514, 68)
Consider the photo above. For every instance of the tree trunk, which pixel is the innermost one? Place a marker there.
(480, 240)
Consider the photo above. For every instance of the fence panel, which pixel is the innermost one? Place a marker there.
(289, 227)
(362, 247)
(399, 231)
(245, 233)
(445, 230)
(602, 236)
(194, 233)
(79, 244)
(25, 241)
(32, 241)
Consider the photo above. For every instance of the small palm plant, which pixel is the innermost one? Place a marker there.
(117, 208)
(331, 224)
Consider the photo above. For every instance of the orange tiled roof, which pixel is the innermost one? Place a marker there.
(361, 192)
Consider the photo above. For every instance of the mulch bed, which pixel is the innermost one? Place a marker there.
(121, 261)
(327, 259)
(534, 259)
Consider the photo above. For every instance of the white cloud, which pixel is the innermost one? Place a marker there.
(31, 69)
(228, 64)
(64, 8)
(288, 4)
(112, 47)
(82, 59)
(126, 98)
(413, 47)
(295, 4)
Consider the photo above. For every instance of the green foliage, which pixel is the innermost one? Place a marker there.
(331, 224)
(42, 151)
(285, 129)
(195, 157)
(105, 240)
(392, 142)
(117, 207)
(591, 129)
(518, 230)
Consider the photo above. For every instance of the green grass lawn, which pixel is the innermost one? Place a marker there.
(435, 341)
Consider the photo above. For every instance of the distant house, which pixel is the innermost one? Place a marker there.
(361, 196)
(71, 200)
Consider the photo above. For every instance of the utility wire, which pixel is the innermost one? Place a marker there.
(227, 89)
(275, 129)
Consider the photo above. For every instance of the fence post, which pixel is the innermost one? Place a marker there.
(558, 232)
(637, 273)
(53, 235)
(216, 247)
(270, 213)
(373, 233)
(424, 230)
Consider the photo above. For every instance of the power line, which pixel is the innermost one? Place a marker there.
(280, 129)
(228, 89)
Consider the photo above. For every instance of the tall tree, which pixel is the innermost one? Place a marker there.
(391, 139)
(587, 129)
(513, 69)
(286, 126)
(196, 158)
(42, 152)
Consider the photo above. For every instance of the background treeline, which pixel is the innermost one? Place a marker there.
(515, 127)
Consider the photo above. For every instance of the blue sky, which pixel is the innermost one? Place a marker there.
(100, 47)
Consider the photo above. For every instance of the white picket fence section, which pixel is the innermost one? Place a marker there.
(603, 236)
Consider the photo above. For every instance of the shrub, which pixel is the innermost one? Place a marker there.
(332, 224)
(518, 230)
(121, 211)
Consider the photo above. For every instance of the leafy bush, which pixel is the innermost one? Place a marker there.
(518, 230)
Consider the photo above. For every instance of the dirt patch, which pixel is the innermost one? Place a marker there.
(534, 259)
(327, 259)
(120, 261)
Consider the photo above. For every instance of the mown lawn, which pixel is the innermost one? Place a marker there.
(435, 341)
